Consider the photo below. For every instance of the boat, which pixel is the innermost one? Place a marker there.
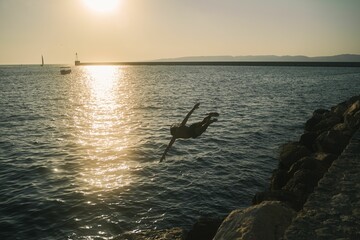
(42, 60)
(65, 70)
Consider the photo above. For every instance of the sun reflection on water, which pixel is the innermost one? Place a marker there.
(101, 129)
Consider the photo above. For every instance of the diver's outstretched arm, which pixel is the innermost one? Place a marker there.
(189, 114)
(167, 148)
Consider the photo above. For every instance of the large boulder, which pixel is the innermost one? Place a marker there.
(266, 221)
(323, 121)
(316, 118)
(309, 163)
(303, 183)
(308, 139)
(331, 142)
(290, 153)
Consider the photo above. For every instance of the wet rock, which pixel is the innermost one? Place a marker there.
(204, 229)
(290, 153)
(266, 221)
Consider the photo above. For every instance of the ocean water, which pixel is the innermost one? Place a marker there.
(79, 153)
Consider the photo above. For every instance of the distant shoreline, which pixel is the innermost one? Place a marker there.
(227, 63)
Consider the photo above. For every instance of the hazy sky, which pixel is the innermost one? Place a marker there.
(137, 30)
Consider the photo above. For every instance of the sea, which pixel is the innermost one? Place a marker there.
(79, 153)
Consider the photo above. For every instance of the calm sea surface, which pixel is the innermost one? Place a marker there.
(79, 153)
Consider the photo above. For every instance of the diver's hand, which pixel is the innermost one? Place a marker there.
(196, 106)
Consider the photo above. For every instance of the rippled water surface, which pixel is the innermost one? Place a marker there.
(79, 153)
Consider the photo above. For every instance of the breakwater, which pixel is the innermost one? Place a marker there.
(302, 163)
(313, 194)
(225, 63)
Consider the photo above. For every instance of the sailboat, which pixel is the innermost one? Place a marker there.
(42, 60)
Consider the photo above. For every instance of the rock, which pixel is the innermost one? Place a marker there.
(331, 142)
(344, 128)
(308, 139)
(352, 115)
(266, 221)
(323, 122)
(317, 116)
(290, 153)
(303, 183)
(340, 109)
(328, 123)
(353, 100)
(278, 179)
(167, 234)
(326, 159)
(311, 123)
(204, 229)
(279, 195)
(309, 163)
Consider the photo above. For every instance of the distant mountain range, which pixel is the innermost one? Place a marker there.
(265, 58)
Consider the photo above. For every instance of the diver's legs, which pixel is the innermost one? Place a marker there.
(205, 120)
(201, 129)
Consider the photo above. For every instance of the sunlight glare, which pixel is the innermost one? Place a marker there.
(106, 148)
(103, 81)
(102, 5)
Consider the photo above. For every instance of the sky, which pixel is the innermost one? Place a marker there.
(141, 30)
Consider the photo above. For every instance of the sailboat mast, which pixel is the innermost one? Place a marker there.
(42, 60)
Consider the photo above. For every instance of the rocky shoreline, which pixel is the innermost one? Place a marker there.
(301, 165)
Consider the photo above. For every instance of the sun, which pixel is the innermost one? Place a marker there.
(102, 5)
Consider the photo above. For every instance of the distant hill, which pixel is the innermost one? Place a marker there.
(265, 58)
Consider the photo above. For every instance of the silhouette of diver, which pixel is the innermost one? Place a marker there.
(193, 131)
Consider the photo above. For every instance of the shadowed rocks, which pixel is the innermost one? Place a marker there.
(302, 164)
